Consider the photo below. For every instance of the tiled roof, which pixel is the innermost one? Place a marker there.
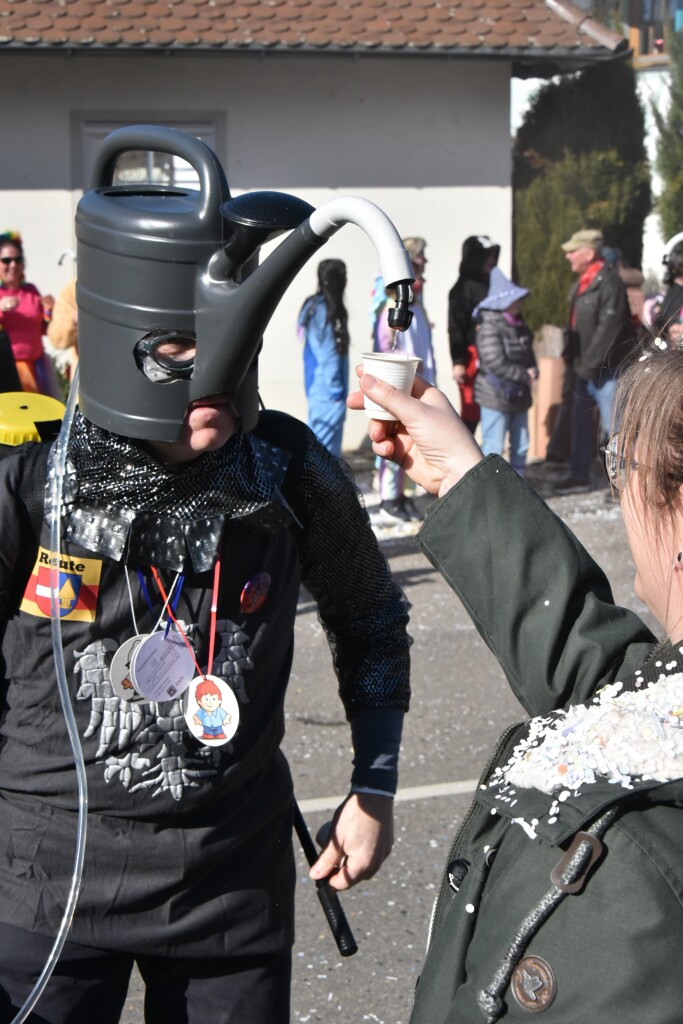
(517, 29)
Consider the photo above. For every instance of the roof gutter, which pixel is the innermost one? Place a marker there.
(526, 62)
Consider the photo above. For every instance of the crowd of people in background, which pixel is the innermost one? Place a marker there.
(491, 349)
(609, 319)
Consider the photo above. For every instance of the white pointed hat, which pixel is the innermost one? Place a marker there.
(502, 292)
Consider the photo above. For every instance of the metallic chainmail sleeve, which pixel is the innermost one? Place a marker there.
(363, 612)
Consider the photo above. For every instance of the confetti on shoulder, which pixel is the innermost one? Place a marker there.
(620, 737)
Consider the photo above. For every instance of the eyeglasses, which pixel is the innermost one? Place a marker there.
(615, 463)
(7, 260)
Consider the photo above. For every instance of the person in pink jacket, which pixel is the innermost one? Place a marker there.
(24, 315)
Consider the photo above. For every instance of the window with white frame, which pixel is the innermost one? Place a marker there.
(140, 166)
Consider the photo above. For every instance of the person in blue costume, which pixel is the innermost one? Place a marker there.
(323, 328)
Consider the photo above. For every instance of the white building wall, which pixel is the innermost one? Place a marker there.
(428, 141)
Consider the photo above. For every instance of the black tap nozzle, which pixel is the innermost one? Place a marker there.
(401, 317)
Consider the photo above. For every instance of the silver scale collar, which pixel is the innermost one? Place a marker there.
(121, 503)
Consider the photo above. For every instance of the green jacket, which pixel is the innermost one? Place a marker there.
(610, 952)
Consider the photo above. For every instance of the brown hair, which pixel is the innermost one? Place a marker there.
(648, 417)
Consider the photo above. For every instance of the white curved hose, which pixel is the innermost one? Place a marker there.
(58, 463)
(394, 260)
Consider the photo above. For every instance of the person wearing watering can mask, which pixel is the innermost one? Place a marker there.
(188, 524)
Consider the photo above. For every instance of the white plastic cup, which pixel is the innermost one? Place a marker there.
(396, 369)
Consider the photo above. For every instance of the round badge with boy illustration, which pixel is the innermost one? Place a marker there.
(211, 710)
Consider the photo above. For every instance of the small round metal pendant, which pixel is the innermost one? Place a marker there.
(162, 666)
(533, 984)
(120, 672)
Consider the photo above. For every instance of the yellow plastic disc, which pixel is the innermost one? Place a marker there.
(21, 410)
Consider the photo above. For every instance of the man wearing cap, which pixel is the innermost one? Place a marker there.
(599, 339)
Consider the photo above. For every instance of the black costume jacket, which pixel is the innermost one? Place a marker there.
(506, 353)
(600, 336)
(189, 847)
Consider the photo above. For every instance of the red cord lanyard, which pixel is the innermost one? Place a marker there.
(214, 611)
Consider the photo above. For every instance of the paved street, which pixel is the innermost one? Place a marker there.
(460, 705)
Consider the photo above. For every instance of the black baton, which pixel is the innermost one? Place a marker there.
(329, 900)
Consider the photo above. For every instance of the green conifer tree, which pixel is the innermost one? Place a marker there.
(592, 190)
(579, 161)
(670, 144)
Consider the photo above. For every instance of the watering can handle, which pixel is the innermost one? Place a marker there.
(158, 138)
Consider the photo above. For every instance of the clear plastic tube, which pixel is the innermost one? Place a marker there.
(58, 464)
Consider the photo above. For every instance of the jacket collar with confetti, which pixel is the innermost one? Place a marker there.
(560, 770)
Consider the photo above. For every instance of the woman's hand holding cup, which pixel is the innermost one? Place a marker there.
(426, 437)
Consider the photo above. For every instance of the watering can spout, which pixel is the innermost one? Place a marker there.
(258, 217)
